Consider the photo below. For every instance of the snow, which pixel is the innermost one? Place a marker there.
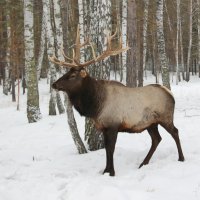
(40, 162)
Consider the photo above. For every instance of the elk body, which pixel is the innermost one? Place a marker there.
(117, 108)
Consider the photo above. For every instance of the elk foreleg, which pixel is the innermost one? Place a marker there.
(110, 138)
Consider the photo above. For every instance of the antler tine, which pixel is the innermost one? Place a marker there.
(93, 52)
(55, 60)
(64, 55)
(109, 38)
(75, 60)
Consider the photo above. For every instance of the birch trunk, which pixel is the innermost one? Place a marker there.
(51, 51)
(177, 41)
(59, 38)
(7, 67)
(73, 127)
(81, 25)
(190, 43)
(70, 114)
(42, 43)
(100, 26)
(33, 110)
(145, 24)
(161, 44)
(131, 71)
(124, 32)
(182, 55)
(198, 28)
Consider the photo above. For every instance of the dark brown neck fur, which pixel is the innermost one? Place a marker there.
(89, 99)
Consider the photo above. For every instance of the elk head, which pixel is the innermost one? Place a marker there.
(73, 79)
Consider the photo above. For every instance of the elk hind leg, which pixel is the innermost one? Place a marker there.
(174, 133)
(156, 138)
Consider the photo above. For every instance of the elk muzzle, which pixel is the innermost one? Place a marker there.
(54, 86)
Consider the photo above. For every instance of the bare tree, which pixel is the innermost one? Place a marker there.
(190, 42)
(161, 44)
(33, 110)
(131, 71)
(100, 26)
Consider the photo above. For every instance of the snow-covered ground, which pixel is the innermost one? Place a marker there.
(39, 161)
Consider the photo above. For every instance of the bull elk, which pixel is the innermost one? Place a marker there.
(113, 106)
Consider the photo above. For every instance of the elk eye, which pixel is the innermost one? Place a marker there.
(72, 76)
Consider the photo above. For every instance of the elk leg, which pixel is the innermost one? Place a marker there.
(174, 133)
(156, 138)
(110, 138)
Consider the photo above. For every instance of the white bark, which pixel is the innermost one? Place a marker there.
(161, 44)
(33, 111)
(124, 31)
(100, 27)
(42, 42)
(182, 56)
(7, 67)
(59, 39)
(190, 42)
(81, 25)
(73, 127)
(198, 28)
(145, 23)
(51, 51)
(177, 40)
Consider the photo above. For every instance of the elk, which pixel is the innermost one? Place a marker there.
(115, 107)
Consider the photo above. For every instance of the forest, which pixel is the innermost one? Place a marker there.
(42, 135)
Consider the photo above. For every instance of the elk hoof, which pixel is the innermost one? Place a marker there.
(143, 163)
(181, 159)
(111, 172)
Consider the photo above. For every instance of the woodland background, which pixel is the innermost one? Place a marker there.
(164, 37)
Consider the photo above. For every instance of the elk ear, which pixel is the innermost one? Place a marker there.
(83, 73)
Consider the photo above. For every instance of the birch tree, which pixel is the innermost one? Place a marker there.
(161, 44)
(70, 114)
(33, 110)
(42, 42)
(131, 72)
(8, 54)
(177, 41)
(52, 43)
(145, 23)
(100, 26)
(124, 31)
(190, 42)
(198, 29)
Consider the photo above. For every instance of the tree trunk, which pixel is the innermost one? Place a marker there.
(124, 33)
(182, 55)
(161, 44)
(131, 71)
(100, 26)
(33, 110)
(177, 42)
(42, 44)
(145, 24)
(73, 127)
(190, 42)
(59, 38)
(6, 84)
(198, 28)
(70, 114)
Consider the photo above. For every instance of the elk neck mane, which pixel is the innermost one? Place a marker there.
(89, 99)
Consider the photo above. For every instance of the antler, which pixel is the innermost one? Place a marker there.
(75, 61)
